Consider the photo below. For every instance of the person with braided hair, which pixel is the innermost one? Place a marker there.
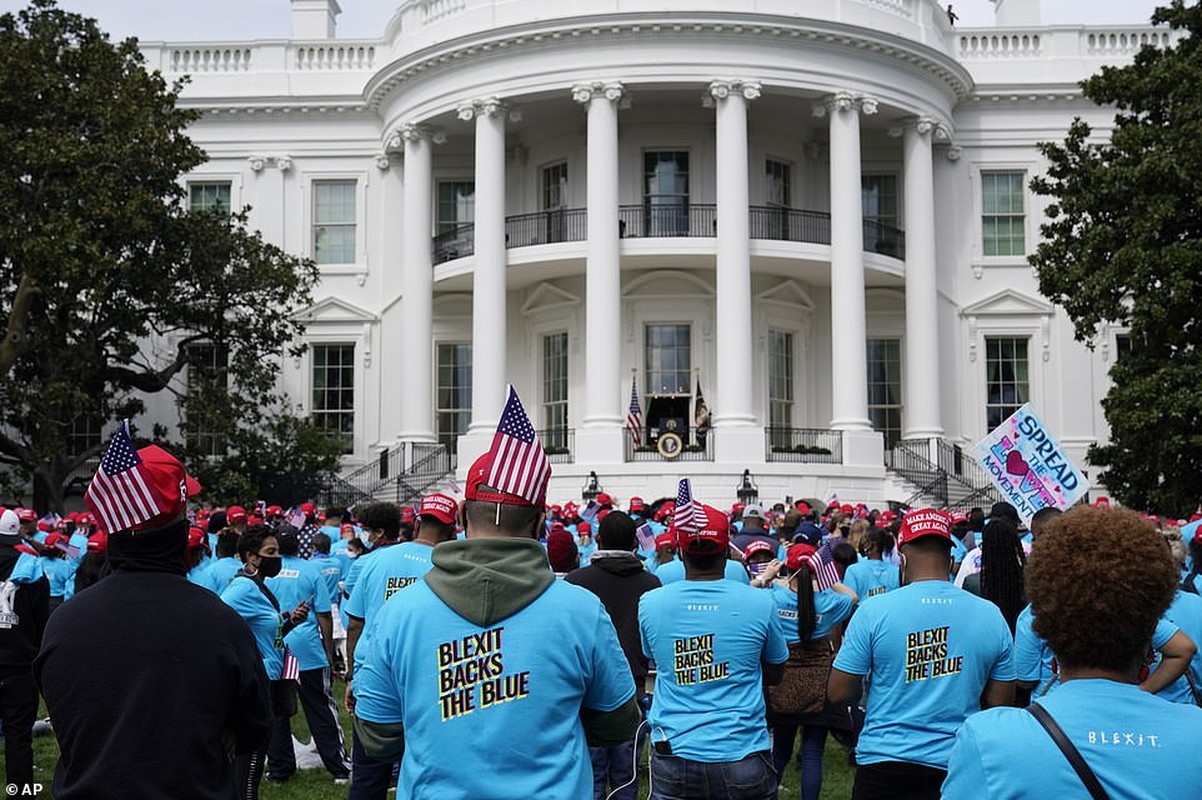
(1000, 580)
(808, 619)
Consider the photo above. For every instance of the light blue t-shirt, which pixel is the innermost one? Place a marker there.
(1139, 746)
(830, 608)
(707, 639)
(265, 622)
(514, 690)
(218, 574)
(331, 572)
(60, 572)
(386, 572)
(930, 649)
(1186, 613)
(869, 578)
(301, 580)
(1034, 661)
(673, 571)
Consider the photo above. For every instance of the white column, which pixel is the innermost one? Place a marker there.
(602, 280)
(417, 289)
(391, 332)
(922, 413)
(732, 397)
(849, 383)
(488, 284)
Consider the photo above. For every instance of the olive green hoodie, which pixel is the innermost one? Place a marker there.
(485, 581)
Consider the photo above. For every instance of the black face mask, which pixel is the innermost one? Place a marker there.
(269, 566)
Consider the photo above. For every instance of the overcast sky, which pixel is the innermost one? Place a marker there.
(243, 20)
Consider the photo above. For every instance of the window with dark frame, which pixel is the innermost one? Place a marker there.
(884, 387)
(453, 409)
(334, 227)
(333, 397)
(1007, 378)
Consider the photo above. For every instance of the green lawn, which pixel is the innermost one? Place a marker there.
(316, 784)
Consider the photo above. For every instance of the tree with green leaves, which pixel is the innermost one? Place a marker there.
(1123, 247)
(111, 289)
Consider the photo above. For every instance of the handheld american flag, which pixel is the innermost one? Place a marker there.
(291, 670)
(689, 515)
(590, 511)
(822, 564)
(634, 416)
(120, 494)
(646, 536)
(519, 464)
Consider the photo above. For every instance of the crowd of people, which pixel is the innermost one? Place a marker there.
(502, 647)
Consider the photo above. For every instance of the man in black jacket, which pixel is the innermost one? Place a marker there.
(24, 608)
(152, 682)
(617, 576)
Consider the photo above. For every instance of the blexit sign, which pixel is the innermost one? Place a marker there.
(1028, 465)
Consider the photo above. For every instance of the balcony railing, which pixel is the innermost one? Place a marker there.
(652, 221)
(559, 444)
(547, 227)
(645, 221)
(702, 449)
(803, 445)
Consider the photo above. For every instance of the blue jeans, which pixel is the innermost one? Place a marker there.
(613, 767)
(370, 779)
(813, 743)
(751, 778)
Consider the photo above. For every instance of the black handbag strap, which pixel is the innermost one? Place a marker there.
(1070, 752)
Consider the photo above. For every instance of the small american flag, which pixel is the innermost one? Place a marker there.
(822, 564)
(634, 416)
(591, 511)
(297, 518)
(291, 670)
(118, 493)
(519, 464)
(689, 515)
(645, 536)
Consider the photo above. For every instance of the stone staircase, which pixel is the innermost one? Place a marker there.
(953, 481)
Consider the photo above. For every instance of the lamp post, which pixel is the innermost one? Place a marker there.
(592, 487)
(747, 491)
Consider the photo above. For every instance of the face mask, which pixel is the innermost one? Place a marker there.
(269, 566)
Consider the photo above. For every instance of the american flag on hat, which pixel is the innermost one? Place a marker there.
(120, 494)
(822, 564)
(519, 464)
(634, 416)
(689, 516)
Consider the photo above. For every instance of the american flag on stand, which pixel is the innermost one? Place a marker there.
(291, 667)
(689, 515)
(634, 416)
(119, 494)
(822, 564)
(519, 463)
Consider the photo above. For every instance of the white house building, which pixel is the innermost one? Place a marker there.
(816, 209)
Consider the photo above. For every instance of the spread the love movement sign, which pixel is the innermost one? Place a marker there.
(1028, 465)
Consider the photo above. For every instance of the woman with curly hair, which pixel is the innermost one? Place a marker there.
(1098, 581)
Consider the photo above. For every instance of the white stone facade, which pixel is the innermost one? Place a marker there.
(779, 181)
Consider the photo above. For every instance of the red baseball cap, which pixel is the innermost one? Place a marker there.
(803, 508)
(665, 539)
(235, 515)
(798, 553)
(167, 483)
(478, 489)
(440, 506)
(254, 519)
(924, 522)
(711, 537)
(274, 511)
(53, 539)
(584, 527)
(758, 546)
(408, 514)
(197, 537)
(98, 542)
(26, 514)
(636, 504)
(664, 511)
(604, 499)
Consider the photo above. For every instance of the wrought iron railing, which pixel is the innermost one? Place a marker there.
(790, 224)
(803, 445)
(652, 221)
(701, 448)
(979, 487)
(546, 227)
(458, 242)
(884, 239)
(911, 460)
(368, 479)
(431, 462)
(955, 480)
(559, 444)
